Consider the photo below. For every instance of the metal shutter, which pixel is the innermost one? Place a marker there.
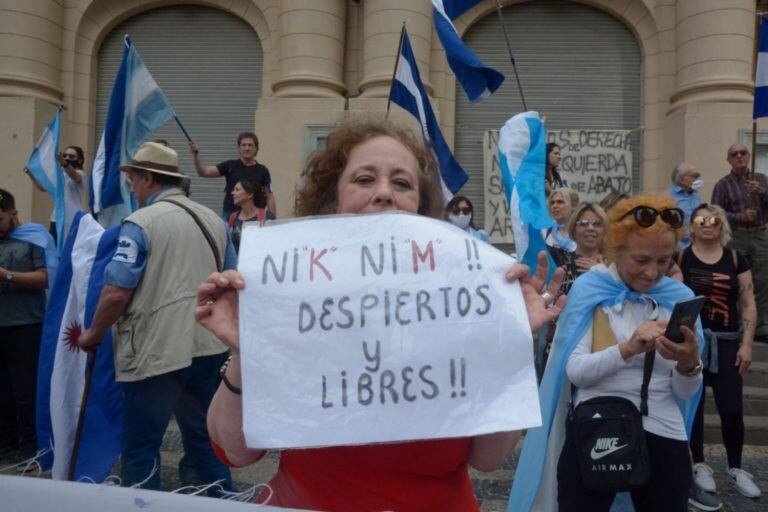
(578, 65)
(209, 64)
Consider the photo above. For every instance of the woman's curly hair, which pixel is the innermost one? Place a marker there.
(318, 192)
(620, 228)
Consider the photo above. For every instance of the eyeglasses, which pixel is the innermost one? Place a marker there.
(645, 216)
(465, 210)
(700, 221)
(585, 223)
(743, 152)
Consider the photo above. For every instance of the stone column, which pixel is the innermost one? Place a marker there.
(714, 41)
(30, 36)
(382, 22)
(311, 46)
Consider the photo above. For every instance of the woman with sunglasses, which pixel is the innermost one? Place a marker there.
(614, 316)
(460, 213)
(728, 317)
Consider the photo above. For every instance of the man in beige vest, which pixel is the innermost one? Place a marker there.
(166, 361)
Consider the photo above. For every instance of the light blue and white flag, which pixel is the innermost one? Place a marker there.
(522, 155)
(137, 107)
(43, 165)
(36, 234)
(61, 368)
(761, 73)
(408, 92)
(478, 80)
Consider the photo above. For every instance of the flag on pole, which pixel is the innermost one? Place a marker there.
(43, 165)
(761, 73)
(137, 107)
(408, 92)
(61, 368)
(522, 148)
(478, 80)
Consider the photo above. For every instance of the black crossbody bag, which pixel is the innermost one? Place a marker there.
(610, 440)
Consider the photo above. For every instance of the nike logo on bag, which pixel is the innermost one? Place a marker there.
(604, 447)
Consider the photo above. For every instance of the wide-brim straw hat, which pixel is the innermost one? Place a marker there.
(155, 157)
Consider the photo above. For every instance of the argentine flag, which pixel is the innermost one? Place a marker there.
(61, 369)
(137, 107)
(522, 148)
(408, 92)
(761, 73)
(43, 165)
(478, 80)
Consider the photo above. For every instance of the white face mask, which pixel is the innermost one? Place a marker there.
(461, 221)
(696, 185)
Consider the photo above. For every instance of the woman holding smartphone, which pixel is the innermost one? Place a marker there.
(723, 276)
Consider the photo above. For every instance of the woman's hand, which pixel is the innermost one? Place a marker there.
(217, 306)
(584, 264)
(643, 339)
(686, 353)
(744, 358)
(539, 309)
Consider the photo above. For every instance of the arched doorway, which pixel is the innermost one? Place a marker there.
(209, 64)
(579, 66)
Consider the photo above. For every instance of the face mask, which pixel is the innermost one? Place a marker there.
(696, 185)
(73, 163)
(461, 221)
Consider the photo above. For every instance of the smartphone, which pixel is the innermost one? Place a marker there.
(685, 313)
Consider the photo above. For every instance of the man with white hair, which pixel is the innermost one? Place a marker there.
(686, 182)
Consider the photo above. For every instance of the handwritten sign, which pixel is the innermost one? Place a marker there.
(376, 328)
(593, 162)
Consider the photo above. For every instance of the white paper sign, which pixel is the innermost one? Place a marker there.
(373, 328)
(498, 223)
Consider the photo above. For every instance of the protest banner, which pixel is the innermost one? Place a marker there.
(376, 328)
(26, 494)
(593, 162)
(498, 223)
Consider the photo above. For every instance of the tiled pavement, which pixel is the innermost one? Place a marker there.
(491, 489)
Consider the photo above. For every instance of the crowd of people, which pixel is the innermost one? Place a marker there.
(172, 294)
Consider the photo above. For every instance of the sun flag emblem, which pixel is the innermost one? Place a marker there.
(72, 335)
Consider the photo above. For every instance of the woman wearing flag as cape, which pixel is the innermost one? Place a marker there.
(632, 300)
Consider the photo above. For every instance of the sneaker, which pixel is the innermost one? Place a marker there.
(743, 482)
(702, 476)
(701, 500)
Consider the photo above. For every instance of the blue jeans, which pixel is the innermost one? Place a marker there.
(147, 408)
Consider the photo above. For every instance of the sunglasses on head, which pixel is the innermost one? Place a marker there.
(585, 223)
(464, 210)
(701, 220)
(645, 216)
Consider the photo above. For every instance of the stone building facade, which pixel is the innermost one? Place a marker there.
(322, 60)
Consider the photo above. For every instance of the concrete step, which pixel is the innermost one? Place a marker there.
(756, 430)
(760, 352)
(757, 375)
(755, 401)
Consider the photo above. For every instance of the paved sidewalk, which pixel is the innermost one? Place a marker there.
(492, 489)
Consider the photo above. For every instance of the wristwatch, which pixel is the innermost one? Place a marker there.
(8, 276)
(694, 372)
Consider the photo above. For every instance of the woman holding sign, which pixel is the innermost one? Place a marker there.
(610, 349)
(366, 167)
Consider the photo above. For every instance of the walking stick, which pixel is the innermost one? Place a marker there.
(84, 403)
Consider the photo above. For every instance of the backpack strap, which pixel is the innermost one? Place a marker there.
(735, 260)
(206, 234)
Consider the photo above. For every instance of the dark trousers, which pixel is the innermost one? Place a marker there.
(666, 491)
(19, 351)
(147, 408)
(727, 387)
